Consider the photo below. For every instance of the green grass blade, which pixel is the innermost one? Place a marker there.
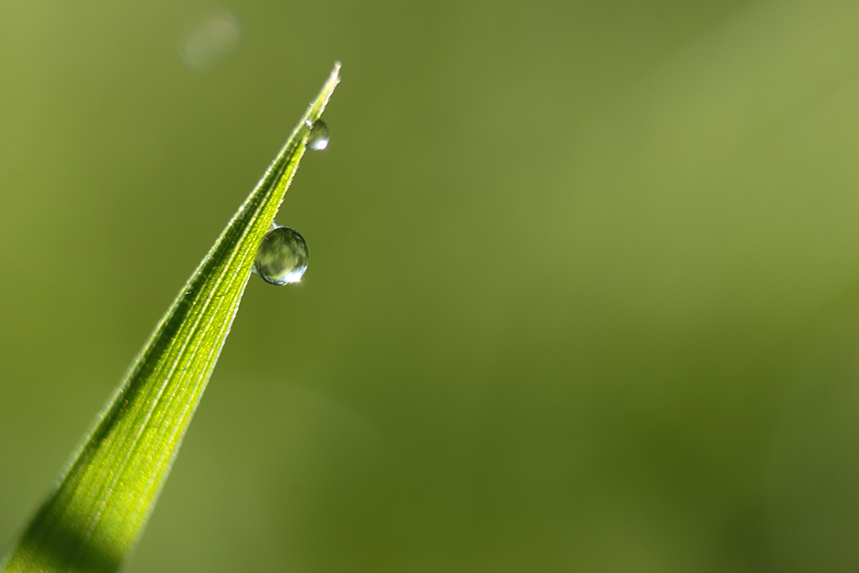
(98, 509)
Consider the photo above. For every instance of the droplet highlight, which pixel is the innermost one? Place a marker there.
(318, 138)
(282, 256)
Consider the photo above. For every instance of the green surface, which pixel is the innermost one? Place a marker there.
(579, 299)
(100, 506)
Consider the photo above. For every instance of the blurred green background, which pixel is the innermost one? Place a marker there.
(583, 292)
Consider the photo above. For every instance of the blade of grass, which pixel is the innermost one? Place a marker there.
(103, 499)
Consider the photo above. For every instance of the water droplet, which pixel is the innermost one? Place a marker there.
(318, 138)
(282, 256)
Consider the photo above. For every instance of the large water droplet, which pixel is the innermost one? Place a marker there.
(318, 138)
(282, 256)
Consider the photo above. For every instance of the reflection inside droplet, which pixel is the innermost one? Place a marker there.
(318, 138)
(282, 256)
(209, 39)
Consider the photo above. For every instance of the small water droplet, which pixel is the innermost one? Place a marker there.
(282, 256)
(318, 138)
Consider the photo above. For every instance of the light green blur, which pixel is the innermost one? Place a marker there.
(583, 294)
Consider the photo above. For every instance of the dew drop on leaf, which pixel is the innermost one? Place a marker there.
(282, 256)
(318, 138)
